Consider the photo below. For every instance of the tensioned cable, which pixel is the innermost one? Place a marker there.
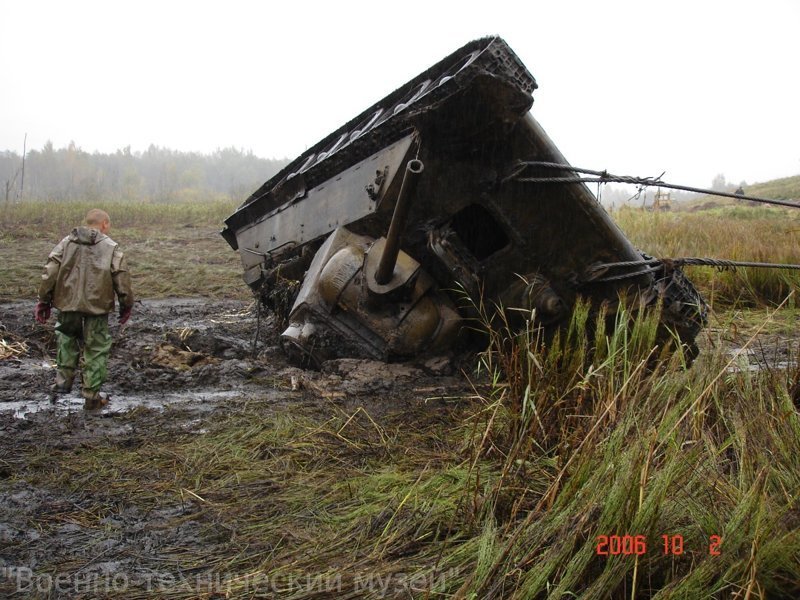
(606, 177)
(654, 264)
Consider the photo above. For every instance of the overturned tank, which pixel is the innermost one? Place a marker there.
(381, 239)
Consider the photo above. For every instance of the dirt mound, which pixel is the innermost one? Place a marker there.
(171, 357)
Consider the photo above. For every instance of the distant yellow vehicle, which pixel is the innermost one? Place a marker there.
(662, 201)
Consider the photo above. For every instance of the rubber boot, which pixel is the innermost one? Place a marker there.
(94, 399)
(63, 384)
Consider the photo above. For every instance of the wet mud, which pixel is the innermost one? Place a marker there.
(176, 367)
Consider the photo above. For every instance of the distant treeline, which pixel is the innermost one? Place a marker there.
(157, 174)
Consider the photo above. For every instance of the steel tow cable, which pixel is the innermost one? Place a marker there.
(606, 177)
(654, 264)
(651, 264)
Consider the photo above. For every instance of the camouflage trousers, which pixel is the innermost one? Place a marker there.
(93, 330)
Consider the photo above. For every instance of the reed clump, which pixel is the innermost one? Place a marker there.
(639, 447)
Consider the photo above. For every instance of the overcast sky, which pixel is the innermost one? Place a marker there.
(694, 87)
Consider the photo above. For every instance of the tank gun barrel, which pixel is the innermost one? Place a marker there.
(408, 187)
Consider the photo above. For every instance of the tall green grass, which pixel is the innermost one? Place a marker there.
(641, 446)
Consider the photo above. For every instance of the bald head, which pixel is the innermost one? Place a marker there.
(98, 219)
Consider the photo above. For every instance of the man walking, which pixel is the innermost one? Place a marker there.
(80, 278)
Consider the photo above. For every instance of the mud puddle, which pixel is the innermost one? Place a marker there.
(198, 400)
(753, 361)
(770, 352)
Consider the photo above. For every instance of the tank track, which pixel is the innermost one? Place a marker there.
(385, 122)
(683, 309)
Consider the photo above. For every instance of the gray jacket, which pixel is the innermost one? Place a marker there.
(84, 272)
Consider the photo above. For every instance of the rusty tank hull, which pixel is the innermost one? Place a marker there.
(369, 242)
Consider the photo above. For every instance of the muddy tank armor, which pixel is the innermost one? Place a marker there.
(369, 243)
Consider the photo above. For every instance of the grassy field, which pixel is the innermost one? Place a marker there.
(176, 250)
(172, 249)
(739, 233)
(786, 188)
(559, 477)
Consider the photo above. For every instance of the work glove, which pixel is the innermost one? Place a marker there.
(124, 314)
(42, 312)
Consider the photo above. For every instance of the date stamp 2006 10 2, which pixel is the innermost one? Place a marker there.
(626, 545)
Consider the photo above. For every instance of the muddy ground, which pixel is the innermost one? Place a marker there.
(177, 366)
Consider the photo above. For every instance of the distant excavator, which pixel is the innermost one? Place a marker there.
(447, 189)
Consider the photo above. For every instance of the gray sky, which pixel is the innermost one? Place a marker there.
(695, 87)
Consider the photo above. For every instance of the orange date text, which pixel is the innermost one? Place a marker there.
(627, 545)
